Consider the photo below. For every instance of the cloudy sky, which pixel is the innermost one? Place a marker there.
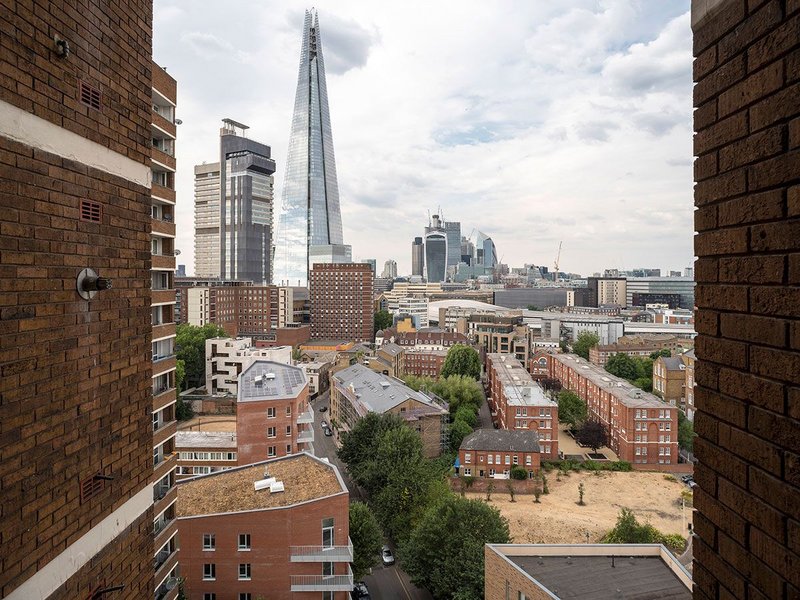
(533, 121)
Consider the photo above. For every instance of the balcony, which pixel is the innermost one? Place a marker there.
(163, 158)
(164, 124)
(164, 330)
(163, 591)
(164, 432)
(306, 436)
(162, 227)
(323, 583)
(167, 463)
(164, 562)
(306, 416)
(163, 296)
(318, 554)
(163, 261)
(162, 498)
(163, 398)
(164, 193)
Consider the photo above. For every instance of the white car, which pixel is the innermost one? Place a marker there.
(387, 556)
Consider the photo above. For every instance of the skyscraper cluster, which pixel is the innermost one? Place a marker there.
(443, 254)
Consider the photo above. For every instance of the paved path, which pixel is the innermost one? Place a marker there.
(484, 414)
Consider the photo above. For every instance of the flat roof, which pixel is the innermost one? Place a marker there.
(205, 439)
(627, 393)
(304, 478)
(268, 380)
(606, 571)
(519, 387)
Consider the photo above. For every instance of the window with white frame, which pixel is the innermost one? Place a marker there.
(271, 412)
(467, 472)
(209, 541)
(528, 460)
(516, 459)
(272, 432)
(508, 459)
(327, 533)
(467, 457)
(244, 571)
(209, 596)
(245, 596)
(491, 459)
(272, 451)
(244, 541)
(209, 571)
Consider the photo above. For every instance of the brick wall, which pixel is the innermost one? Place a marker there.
(504, 581)
(747, 122)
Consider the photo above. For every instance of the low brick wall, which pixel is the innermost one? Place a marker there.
(480, 485)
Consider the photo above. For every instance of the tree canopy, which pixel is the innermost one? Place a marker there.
(462, 360)
(663, 352)
(365, 533)
(382, 320)
(586, 340)
(637, 370)
(190, 343)
(592, 434)
(685, 432)
(571, 409)
(444, 554)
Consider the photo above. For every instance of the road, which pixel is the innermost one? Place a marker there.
(388, 583)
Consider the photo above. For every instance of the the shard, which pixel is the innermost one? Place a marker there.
(310, 222)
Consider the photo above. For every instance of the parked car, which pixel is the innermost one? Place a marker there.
(323, 408)
(387, 556)
(692, 484)
(687, 478)
(327, 432)
(360, 591)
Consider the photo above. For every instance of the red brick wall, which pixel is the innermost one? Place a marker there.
(340, 297)
(747, 123)
(272, 532)
(252, 425)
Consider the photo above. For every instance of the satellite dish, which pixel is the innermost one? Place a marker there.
(177, 252)
(178, 122)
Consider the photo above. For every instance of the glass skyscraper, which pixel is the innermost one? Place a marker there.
(310, 222)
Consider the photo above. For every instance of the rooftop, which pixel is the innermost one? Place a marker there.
(391, 349)
(672, 363)
(205, 439)
(607, 571)
(379, 393)
(501, 439)
(625, 392)
(518, 385)
(304, 478)
(269, 380)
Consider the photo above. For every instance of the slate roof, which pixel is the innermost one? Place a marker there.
(501, 439)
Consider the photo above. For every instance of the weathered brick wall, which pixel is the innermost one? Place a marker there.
(503, 581)
(747, 96)
(75, 375)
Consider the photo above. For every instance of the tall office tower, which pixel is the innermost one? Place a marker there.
(206, 220)
(245, 210)
(417, 257)
(467, 251)
(76, 127)
(162, 306)
(341, 302)
(453, 231)
(310, 226)
(389, 269)
(372, 263)
(436, 251)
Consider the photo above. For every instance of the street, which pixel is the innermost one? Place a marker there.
(384, 582)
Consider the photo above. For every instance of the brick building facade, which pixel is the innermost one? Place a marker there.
(641, 428)
(77, 438)
(747, 143)
(341, 301)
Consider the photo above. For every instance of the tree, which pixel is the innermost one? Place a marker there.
(518, 473)
(571, 409)
(466, 414)
(462, 360)
(685, 432)
(190, 346)
(418, 383)
(458, 391)
(367, 539)
(360, 445)
(629, 531)
(444, 554)
(533, 307)
(591, 434)
(397, 449)
(623, 366)
(581, 491)
(382, 320)
(663, 352)
(643, 383)
(458, 431)
(586, 340)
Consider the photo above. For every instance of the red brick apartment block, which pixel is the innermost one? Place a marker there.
(747, 143)
(518, 402)
(641, 428)
(237, 539)
(76, 438)
(341, 302)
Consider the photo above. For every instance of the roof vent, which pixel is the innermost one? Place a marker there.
(259, 380)
(277, 486)
(269, 376)
(263, 484)
(385, 384)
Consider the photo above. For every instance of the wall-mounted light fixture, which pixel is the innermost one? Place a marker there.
(89, 283)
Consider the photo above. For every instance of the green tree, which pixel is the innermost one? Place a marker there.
(462, 360)
(466, 414)
(190, 343)
(418, 383)
(458, 391)
(360, 445)
(629, 531)
(663, 352)
(643, 383)
(382, 320)
(183, 412)
(571, 409)
(685, 432)
(586, 340)
(623, 366)
(444, 553)
(592, 434)
(367, 538)
(180, 375)
(458, 431)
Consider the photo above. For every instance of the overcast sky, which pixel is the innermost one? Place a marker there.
(533, 121)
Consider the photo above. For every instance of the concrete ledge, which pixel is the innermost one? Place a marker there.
(702, 9)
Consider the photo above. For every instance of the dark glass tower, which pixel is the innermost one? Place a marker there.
(310, 223)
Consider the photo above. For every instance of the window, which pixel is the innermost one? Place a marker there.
(467, 458)
(272, 451)
(638, 414)
(492, 472)
(244, 571)
(491, 459)
(288, 448)
(245, 596)
(327, 533)
(289, 411)
(508, 459)
(272, 432)
(516, 459)
(209, 571)
(244, 541)
(209, 541)
(208, 596)
(467, 472)
(271, 412)
(528, 460)
(480, 458)
(541, 424)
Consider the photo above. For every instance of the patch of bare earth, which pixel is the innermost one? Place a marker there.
(559, 518)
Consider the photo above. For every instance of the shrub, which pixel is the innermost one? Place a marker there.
(519, 473)
(673, 541)
(669, 477)
(621, 465)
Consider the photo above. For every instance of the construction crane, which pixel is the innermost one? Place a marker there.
(555, 264)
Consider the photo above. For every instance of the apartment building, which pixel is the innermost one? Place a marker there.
(490, 453)
(276, 528)
(273, 417)
(542, 571)
(226, 358)
(204, 452)
(341, 301)
(206, 220)
(76, 124)
(607, 291)
(432, 339)
(502, 334)
(669, 377)
(641, 429)
(317, 374)
(357, 390)
(389, 359)
(518, 403)
(162, 306)
(424, 363)
(687, 399)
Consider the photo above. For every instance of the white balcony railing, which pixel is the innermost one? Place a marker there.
(306, 436)
(306, 416)
(322, 553)
(323, 583)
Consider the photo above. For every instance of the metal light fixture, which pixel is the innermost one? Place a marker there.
(89, 283)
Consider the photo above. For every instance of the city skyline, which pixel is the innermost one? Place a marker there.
(444, 113)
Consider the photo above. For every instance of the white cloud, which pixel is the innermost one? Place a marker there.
(535, 121)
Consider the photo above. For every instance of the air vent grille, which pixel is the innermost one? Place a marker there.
(91, 211)
(90, 95)
(91, 486)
